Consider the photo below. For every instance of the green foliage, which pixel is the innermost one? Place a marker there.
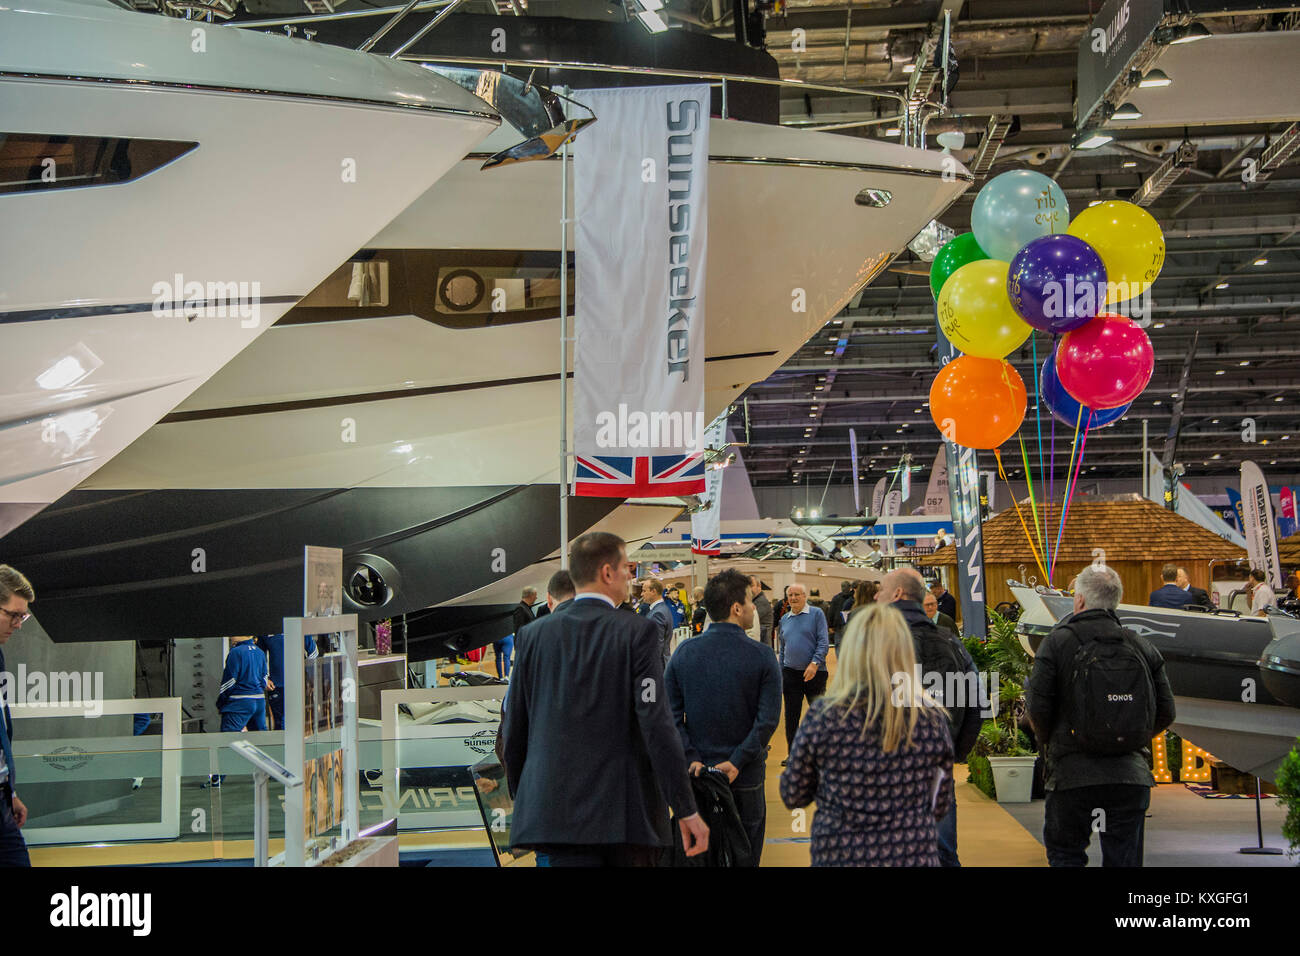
(981, 774)
(997, 740)
(1288, 794)
(979, 652)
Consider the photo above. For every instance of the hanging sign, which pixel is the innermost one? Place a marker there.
(641, 203)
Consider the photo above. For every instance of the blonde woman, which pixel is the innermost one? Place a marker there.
(874, 753)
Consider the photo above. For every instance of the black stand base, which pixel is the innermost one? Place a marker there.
(1261, 850)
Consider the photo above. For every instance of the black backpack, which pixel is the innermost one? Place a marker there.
(1114, 698)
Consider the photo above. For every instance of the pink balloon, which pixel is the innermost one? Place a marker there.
(1106, 362)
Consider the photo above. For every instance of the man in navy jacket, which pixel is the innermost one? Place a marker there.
(1170, 595)
(725, 692)
(15, 595)
(660, 612)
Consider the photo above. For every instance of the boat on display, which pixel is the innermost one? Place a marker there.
(168, 190)
(1236, 680)
(408, 410)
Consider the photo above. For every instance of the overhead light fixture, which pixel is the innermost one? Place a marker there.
(1261, 261)
(1154, 78)
(1129, 164)
(1214, 422)
(829, 352)
(1166, 174)
(1222, 285)
(1159, 325)
(1278, 399)
(1188, 33)
(1219, 372)
(909, 67)
(818, 388)
(1215, 456)
(1096, 202)
(1090, 139)
(1126, 112)
(647, 13)
(1157, 402)
(1244, 362)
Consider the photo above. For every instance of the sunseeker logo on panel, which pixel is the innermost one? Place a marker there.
(212, 300)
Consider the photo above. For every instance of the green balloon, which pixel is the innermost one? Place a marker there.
(955, 254)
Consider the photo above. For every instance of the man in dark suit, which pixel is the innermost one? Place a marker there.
(592, 758)
(15, 595)
(660, 614)
(947, 603)
(725, 692)
(1169, 595)
(1197, 596)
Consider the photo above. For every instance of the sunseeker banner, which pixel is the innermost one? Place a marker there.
(1257, 508)
(936, 492)
(705, 525)
(641, 204)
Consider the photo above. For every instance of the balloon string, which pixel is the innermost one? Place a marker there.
(997, 453)
(1038, 416)
(1029, 480)
(1065, 500)
(1074, 483)
(1051, 493)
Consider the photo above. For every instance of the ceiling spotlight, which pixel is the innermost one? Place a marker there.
(1261, 261)
(1154, 78)
(1189, 33)
(1157, 402)
(1278, 399)
(830, 352)
(1244, 362)
(818, 388)
(1096, 202)
(909, 67)
(1126, 112)
(898, 431)
(839, 322)
(916, 411)
(1219, 372)
(812, 414)
(1129, 164)
(1286, 437)
(1214, 422)
(1090, 139)
(1215, 456)
(646, 12)
(1159, 325)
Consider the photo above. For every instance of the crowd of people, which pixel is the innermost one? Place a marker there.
(673, 767)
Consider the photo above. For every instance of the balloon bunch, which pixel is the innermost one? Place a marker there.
(1026, 266)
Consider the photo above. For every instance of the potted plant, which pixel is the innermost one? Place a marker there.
(1002, 744)
(1287, 781)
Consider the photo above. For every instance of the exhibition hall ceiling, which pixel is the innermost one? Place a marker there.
(1232, 272)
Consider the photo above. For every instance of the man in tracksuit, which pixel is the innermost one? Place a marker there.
(244, 683)
(273, 644)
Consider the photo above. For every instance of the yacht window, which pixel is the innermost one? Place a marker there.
(30, 162)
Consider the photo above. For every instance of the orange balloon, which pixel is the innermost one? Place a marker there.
(978, 402)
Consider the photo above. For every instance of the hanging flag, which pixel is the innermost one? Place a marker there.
(853, 452)
(641, 191)
(1257, 507)
(893, 504)
(1193, 508)
(907, 477)
(878, 497)
(1286, 520)
(936, 491)
(706, 523)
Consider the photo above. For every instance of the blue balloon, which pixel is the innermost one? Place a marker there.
(1014, 208)
(1063, 405)
(1057, 283)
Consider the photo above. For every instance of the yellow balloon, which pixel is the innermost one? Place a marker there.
(975, 312)
(1130, 243)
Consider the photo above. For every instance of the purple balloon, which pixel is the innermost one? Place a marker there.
(1061, 404)
(1057, 283)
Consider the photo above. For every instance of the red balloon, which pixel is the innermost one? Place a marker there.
(978, 402)
(1106, 362)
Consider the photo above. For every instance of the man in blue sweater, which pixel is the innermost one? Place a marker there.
(804, 643)
(725, 692)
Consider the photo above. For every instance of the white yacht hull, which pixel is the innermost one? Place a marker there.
(427, 420)
(276, 186)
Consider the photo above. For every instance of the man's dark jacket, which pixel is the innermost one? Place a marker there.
(728, 842)
(591, 754)
(835, 613)
(1199, 596)
(1049, 694)
(763, 608)
(724, 689)
(947, 623)
(939, 651)
(947, 604)
(523, 615)
(661, 615)
(1170, 596)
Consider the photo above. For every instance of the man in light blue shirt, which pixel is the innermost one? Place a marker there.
(804, 643)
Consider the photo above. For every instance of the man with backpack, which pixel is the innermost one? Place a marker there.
(1097, 696)
(939, 651)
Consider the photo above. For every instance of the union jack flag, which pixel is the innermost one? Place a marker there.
(706, 547)
(645, 476)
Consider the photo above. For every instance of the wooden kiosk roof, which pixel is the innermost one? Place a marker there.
(1130, 529)
(1288, 550)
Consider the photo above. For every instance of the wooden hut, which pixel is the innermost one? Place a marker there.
(1134, 535)
(1288, 552)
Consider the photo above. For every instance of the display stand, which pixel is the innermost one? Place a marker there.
(1259, 849)
(264, 768)
(295, 734)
